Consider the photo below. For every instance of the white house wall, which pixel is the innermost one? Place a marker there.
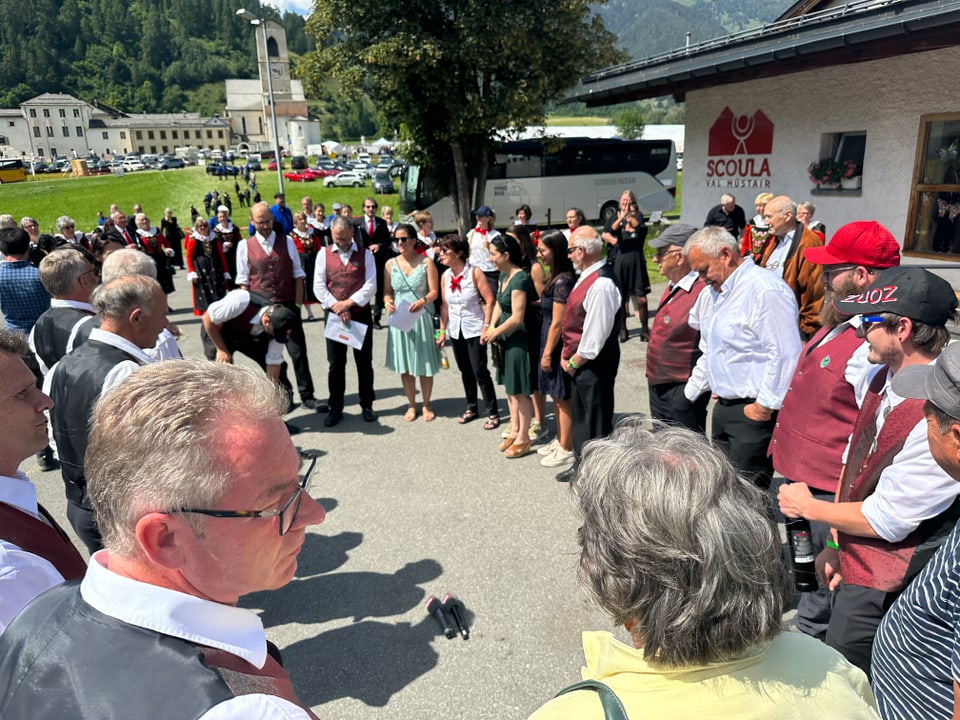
(884, 97)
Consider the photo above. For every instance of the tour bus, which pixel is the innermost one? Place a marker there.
(12, 170)
(554, 174)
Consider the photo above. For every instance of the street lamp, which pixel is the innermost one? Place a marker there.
(257, 22)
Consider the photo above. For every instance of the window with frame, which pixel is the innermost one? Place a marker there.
(79, 130)
(149, 134)
(163, 134)
(46, 112)
(123, 134)
(49, 131)
(139, 135)
(36, 131)
(33, 112)
(63, 113)
(106, 135)
(76, 112)
(933, 217)
(66, 131)
(175, 134)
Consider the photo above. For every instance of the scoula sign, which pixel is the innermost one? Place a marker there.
(738, 151)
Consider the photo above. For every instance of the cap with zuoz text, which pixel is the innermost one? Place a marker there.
(912, 292)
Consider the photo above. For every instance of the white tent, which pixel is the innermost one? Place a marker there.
(376, 145)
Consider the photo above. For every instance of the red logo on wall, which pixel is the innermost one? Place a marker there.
(741, 134)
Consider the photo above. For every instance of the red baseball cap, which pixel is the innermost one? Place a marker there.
(864, 242)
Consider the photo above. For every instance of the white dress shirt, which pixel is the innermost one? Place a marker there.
(362, 296)
(243, 262)
(781, 253)
(479, 254)
(168, 612)
(230, 306)
(601, 304)
(749, 338)
(76, 305)
(23, 575)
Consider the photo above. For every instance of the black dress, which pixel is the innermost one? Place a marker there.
(555, 383)
(631, 264)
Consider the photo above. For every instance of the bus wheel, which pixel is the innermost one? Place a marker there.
(608, 212)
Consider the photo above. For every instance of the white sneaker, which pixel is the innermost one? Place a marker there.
(560, 458)
(549, 448)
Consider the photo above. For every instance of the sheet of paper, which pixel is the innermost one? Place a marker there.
(401, 318)
(351, 334)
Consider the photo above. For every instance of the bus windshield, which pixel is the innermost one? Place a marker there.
(553, 175)
(12, 170)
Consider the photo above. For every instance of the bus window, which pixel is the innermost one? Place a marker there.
(12, 170)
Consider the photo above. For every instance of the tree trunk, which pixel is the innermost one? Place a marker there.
(482, 168)
(461, 198)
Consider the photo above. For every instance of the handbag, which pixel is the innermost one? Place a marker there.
(612, 707)
(497, 353)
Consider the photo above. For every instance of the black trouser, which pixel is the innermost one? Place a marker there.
(336, 373)
(253, 346)
(856, 615)
(297, 349)
(743, 440)
(471, 359)
(592, 397)
(85, 525)
(668, 404)
(380, 260)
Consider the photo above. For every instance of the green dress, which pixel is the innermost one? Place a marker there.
(515, 376)
(413, 352)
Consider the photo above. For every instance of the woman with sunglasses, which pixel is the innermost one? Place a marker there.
(206, 266)
(515, 293)
(412, 277)
(466, 310)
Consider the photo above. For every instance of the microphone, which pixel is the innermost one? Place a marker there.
(435, 608)
(456, 608)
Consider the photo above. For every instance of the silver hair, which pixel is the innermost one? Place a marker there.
(782, 204)
(63, 221)
(587, 237)
(711, 240)
(673, 540)
(7, 221)
(60, 271)
(26, 219)
(156, 441)
(121, 296)
(14, 343)
(727, 197)
(127, 261)
(140, 216)
(341, 222)
(809, 207)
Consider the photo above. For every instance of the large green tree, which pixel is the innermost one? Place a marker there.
(450, 74)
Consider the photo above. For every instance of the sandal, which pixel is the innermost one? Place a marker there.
(492, 423)
(468, 416)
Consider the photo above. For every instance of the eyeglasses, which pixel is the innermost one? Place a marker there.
(401, 238)
(93, 271)
(68, 227)
(832, 272)
(287, 513)
(868, 321)
(574, 247)
(660, 256)
(369, 207)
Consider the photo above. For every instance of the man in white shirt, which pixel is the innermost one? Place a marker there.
(35, 554)
(197, 488)
(591, 353)
(894, 505)
(132, 311)
(750, 344)
(345, 281)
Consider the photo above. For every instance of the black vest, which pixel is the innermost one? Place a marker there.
(61, 658)
(52, 332)
(77, 384)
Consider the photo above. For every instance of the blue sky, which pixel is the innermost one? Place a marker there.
(298, 6)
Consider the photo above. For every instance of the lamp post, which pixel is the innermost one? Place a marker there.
(259, 23)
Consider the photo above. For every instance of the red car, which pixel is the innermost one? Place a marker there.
(301, 176)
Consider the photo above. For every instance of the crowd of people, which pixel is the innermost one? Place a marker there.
(836, 402)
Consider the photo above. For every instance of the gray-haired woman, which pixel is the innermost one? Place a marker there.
(682, 553)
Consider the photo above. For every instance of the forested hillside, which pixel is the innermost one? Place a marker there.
(138, 55)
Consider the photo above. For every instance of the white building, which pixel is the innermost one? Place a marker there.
(867, 81)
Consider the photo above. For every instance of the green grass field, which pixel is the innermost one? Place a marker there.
(48, 197)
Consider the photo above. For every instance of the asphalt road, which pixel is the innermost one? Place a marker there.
(415, 509)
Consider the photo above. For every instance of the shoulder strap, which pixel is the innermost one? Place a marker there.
(612, 707)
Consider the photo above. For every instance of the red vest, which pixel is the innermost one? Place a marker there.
(271, 275)
(670, 352)
(244, 679)
(817, 414)
(874, 562)
(37, 537)
(344, 280)
(576, 313)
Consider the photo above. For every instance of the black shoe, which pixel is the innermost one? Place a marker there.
(567, 475)
(333, 417)
(46, 461)
(292, 429)
(377, 325)
(310, 403)
(369, 415)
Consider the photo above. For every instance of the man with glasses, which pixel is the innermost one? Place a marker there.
(196, 485)
(894, 504)
(673, 349)
(345, 281)
(591, 353)
(375, 237)
(268, 264)
(828, 384)
(784, 255)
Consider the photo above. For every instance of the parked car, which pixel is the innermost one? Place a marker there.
(253, 164)
(345, 179)
(383, 183)
(299, 162)
(222, 169)
(133, 165)
(305, 175)
(169, 163)
(273, 165)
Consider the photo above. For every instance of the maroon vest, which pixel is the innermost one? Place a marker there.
(874, 562)
(344, 280)
(817, 414)
(670, 353)
(245, 679)
(47, 541)
(242, 324)
(576, 313)
(271, 275)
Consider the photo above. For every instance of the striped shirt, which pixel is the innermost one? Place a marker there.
(916, 654)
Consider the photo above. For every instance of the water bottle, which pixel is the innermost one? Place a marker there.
(802, 554)
(444, 362)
